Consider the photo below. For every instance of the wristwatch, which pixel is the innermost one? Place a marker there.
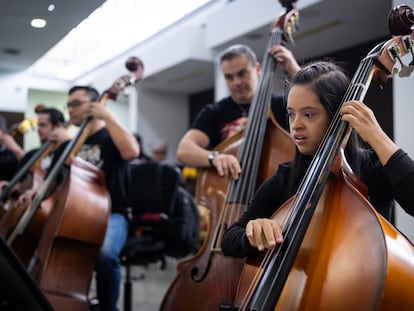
(212, 156)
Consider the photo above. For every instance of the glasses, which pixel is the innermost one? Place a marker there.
(76, 103)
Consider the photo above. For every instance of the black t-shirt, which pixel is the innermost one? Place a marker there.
(46, 161)
(100, 150)
(223, 119)
(27, 156)
(8, 164)
(384, 183)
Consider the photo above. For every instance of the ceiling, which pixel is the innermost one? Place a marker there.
(325, 27)
(20, 44)
(329, 26)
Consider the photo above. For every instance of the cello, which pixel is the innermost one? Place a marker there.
(210, 276)
(338, 252)
(75, 228)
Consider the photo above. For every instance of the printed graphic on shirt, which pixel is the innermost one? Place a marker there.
(233, 127)
(92, 154)
(45, 163)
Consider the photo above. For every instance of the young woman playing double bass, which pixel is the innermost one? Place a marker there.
(386, 170)
(334, 249)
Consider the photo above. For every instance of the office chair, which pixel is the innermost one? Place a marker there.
(152, 190)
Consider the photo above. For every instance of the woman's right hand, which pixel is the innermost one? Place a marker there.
(264, 233)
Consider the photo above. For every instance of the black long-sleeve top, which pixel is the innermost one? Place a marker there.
(395, 180)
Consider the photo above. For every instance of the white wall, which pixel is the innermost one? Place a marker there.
(162, 117)
(404, 129)
(13, 90)
(52, 99)
(241, 17)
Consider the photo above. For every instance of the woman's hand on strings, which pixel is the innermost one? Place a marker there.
(264, 233)
(362, 119)
(285, 57)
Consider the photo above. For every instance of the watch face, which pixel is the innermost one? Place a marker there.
(212, 156)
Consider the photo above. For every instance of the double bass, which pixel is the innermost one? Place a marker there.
(209, 276)
(15, 198)
(64, 260)
(10, 190)
(26, 176)
(338, 252)
(8, 187)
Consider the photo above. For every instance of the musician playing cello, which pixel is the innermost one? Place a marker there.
(109, 146)
(314, 96)
(220, 120)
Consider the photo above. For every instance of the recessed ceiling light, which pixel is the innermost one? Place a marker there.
(38, 23)
(11, 51)
(51, 7)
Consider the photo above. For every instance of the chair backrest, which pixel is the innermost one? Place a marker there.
(152, 188)
(163, 208)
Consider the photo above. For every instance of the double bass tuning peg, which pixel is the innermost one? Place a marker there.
(408, 43)
(406, 71)
(400, 22)
(395, 53)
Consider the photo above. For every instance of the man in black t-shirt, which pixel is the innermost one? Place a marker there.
(222, 119)
(110, 147)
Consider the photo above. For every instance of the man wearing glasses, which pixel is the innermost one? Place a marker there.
(109, 146)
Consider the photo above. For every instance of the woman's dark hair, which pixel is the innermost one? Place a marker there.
(330, 83)
(327, 80)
